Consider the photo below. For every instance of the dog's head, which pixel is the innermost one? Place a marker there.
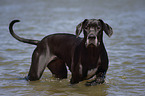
(93, 31)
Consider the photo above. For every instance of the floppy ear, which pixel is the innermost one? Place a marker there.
(108, 30)
(79, 29)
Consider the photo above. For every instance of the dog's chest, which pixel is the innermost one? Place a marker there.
(89, 69)
(87, 73)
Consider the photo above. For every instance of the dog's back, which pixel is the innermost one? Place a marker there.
(62, 43)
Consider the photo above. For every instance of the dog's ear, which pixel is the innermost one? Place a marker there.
(79, 28)
(108, 30)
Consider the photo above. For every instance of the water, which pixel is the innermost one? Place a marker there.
(126, 47)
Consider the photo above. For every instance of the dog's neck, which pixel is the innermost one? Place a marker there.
(90, 55)
(91, 50)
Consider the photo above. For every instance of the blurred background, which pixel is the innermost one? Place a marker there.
(126, 47)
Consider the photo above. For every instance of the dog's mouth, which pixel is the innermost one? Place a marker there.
(92, 43)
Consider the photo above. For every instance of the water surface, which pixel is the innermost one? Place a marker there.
(126, 47)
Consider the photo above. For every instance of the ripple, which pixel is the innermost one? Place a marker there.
(11, 49)
(126, 47)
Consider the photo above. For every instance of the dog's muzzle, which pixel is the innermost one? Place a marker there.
(92, 41)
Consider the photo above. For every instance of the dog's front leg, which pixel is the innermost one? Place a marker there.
(76, 77)
(100, 79)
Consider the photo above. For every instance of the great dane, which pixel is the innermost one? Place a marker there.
(85, 57)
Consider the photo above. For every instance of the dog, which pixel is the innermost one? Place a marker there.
(85, 57)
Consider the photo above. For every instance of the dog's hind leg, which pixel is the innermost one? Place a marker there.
(58, 68)
(40, 59)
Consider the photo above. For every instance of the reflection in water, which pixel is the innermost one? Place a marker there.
(49, 87)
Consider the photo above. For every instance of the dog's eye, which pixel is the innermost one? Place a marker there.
(98, 27)
(86, 27)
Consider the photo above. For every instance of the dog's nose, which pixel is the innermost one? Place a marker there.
(92, 36)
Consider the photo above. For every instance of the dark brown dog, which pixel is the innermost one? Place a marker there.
(86, 57)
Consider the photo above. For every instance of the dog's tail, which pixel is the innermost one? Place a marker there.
(29, 41)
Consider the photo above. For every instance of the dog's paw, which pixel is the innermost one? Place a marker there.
(92, 83)
(97, 81)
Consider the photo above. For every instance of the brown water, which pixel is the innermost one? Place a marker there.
(126, 48)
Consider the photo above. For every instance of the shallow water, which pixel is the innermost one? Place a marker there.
(126, 47)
